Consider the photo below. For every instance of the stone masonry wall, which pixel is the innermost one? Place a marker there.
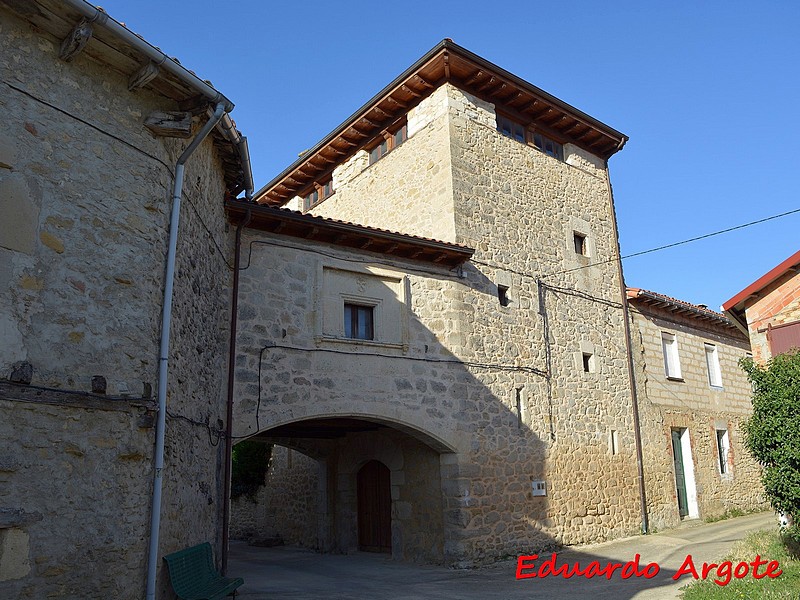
(694, 405)
(285, 506)
(411, 184)
(520, 209)
(84, 213)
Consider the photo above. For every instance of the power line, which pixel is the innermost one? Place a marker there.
(682, 242)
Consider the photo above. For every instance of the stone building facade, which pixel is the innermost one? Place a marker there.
(768, 310)
(693, 398)
(489, 390)
(85, 194)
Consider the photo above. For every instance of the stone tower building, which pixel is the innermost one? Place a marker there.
(442, 330)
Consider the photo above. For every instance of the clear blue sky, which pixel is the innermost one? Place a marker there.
(707, 92)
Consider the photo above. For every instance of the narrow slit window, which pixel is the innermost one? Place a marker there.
(588, 362)
(613, 441)
(723, 447)
(502, 295)
(579, 240)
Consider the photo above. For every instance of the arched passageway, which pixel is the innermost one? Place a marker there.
(344, 484)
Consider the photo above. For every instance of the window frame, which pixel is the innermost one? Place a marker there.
(723, 449)
(713, 366)
(669, 347)
(584, 243)
(355, 326)
(529, 134)
(322, 190)
(388, 139)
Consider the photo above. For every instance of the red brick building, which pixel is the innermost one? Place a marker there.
(768, 310)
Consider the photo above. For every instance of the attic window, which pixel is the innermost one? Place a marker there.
(318, 194)
(392, 138)
(529, 135)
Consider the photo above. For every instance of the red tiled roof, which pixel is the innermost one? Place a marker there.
(763, 281)
(344, 233)
(688, 309)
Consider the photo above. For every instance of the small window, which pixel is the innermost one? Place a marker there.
(548, 146)
(588, 362)
(391, 140)
(723, 447)
(613, 441)
(318, 194)
(358, 322)
(502, 295)
(579, 240)
(712, 363)
(511, 129)
(672, 363)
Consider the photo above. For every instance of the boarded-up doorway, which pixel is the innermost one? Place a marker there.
(373, 483)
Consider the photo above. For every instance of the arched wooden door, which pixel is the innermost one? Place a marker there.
(374, 507)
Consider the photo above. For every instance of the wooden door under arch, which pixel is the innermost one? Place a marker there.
(374, 497)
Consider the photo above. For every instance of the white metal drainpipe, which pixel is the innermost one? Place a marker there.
(166, 317)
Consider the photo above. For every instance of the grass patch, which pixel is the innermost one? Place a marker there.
(732, 513)
(770, 546)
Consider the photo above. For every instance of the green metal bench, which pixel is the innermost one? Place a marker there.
(194, 577)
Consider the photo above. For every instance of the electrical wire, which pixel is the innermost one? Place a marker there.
(681, 243)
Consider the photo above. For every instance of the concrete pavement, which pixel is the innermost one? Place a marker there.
(295, 574)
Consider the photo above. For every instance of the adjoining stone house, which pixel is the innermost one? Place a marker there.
(86, 182)
(693, 398)
(768, 310)
(474, 404)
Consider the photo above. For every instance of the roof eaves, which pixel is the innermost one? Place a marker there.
(444, 46)
(759, 284)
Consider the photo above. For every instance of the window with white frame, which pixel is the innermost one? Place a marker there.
(712, 362)
(723, 448)
(672, 363)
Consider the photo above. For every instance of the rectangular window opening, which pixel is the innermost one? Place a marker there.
(723, 447)
(318, 194)
(588, 362)
(391, 140)
(712, 363)
(579, 240)
(502, 295)
(613, 441)
(672, 363)
(358, 322)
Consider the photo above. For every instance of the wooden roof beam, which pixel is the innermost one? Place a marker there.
(424, 81)
(488, 84)
(414, 93)
(75, 41)
(399, 103)
(474, 78)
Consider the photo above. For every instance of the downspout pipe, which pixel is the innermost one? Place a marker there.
(226, 501)
(163, 366)
(637, 430)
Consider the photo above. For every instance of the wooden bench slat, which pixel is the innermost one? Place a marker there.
(194, 577)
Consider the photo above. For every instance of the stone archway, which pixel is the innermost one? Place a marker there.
(329, 455)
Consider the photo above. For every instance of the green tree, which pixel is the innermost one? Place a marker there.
(772, 434)
(249, 469)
